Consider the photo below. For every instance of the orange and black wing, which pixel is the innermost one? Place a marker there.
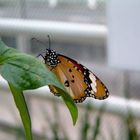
(78, 80)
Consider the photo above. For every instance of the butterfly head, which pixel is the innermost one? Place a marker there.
(51, 57)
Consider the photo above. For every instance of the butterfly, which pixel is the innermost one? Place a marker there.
(78, 80)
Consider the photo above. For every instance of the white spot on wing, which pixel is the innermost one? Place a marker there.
(93, 80)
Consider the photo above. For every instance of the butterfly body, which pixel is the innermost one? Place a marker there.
(77, 79)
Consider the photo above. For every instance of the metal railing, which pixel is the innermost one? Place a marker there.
(113, 104)
(61, 31)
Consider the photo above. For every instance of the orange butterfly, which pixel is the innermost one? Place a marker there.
(77, 79)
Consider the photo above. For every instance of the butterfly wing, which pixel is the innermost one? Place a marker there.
(71, 78)
(96, 87)
(78, 80)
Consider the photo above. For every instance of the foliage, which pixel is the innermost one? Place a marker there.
(132, 132)
(24, 72)
(89, 129)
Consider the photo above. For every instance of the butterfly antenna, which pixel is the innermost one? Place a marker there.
(49, 42)
(39, 41)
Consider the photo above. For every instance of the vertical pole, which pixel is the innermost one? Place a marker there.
(126, 90)
(23, 43)
(23, 9)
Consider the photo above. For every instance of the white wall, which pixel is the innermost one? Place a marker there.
(124, 34)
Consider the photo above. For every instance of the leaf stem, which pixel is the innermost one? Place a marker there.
(23, 110)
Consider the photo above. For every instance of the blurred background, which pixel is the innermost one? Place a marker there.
(107, 35)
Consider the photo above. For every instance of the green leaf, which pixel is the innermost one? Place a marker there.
(70, 104)
(23, 110)
(25, 72)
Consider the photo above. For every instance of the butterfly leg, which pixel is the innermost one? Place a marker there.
(41, 56)
(51, 68)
